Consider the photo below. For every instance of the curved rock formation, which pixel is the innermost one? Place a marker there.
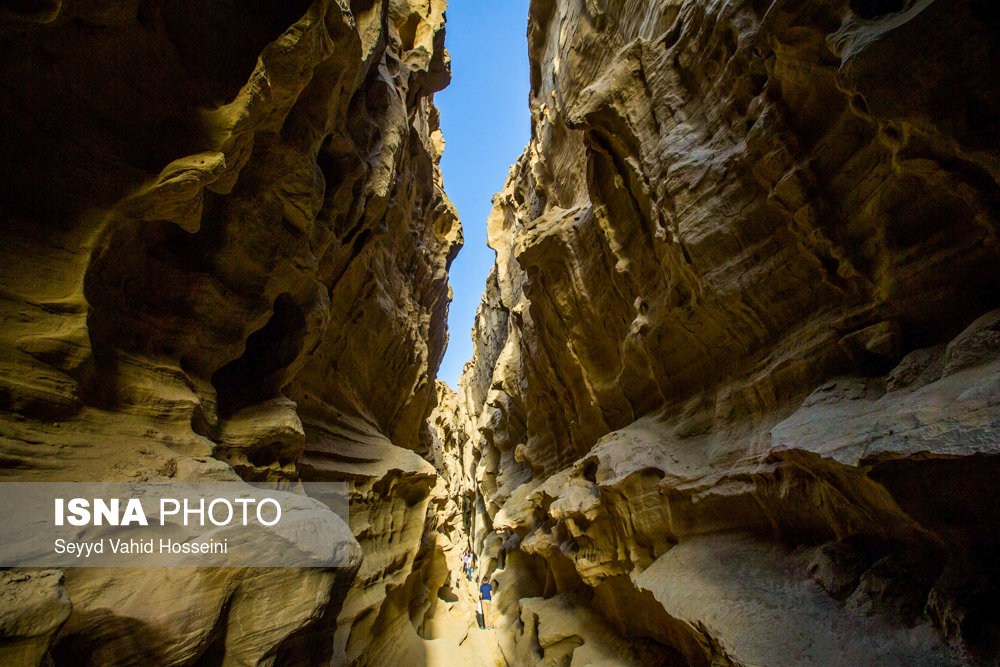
(735, 396)
(735, 389)
(224, 256)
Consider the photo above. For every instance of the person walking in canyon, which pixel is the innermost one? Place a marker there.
(486, 600)
(470, 563)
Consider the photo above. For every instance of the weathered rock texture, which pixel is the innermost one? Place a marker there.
(224, 255)
(736, 387)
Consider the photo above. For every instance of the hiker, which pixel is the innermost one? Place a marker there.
(486, 600)
(466, 561)
(472, 564)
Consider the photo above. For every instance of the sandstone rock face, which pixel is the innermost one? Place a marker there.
(33, 606)
(736, 388)
(224, 256)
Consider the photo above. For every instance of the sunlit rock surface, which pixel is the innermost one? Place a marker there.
(735, 395)
(224, 255)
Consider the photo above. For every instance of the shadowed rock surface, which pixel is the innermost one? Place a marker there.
(224, 256)
(735, 395)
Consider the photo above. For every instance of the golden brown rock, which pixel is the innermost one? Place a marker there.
(33, 606)
(728, 369)
(224, 235)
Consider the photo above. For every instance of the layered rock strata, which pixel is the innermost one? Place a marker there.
(224, 256)
(735, 396)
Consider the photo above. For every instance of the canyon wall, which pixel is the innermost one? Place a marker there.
(735, 396)
(224, 256)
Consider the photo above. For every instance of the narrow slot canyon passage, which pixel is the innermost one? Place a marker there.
(732, 390)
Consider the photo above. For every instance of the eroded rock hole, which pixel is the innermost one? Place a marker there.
(447, 594)
(257, 374)
(860, 104)
(415, 494)
(408, 32)
(672, 36)
(359, 7)
(267, 454)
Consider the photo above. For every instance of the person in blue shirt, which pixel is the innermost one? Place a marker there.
(486, 599)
